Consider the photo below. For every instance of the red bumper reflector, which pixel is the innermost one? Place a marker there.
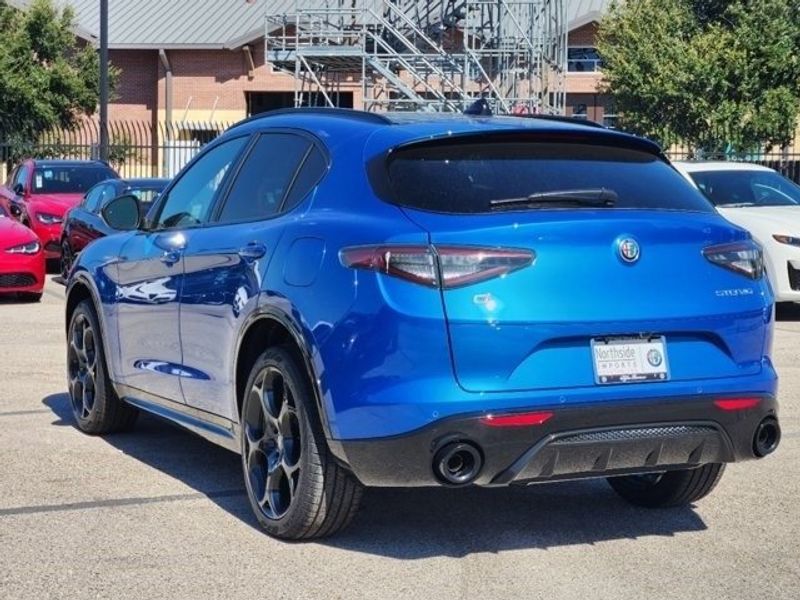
(737, 403)
(517, 420)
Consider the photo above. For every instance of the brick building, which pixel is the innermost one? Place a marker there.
(204, 60)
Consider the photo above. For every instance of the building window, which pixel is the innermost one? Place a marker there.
(610, 116)
(583, 59)
(580, 111)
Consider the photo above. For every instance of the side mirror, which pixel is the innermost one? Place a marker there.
(123, 213)
(18, 189)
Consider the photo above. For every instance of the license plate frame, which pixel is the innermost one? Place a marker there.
(635, 360)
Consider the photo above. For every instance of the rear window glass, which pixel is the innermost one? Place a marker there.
(467, 177)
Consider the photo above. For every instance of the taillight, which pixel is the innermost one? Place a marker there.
(745, 258)
(437, 266)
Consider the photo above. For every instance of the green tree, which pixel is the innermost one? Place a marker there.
(47, 79)
(720, 75)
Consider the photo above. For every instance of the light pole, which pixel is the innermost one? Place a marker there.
(104, 79)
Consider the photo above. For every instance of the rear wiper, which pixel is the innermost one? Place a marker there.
(594, 197)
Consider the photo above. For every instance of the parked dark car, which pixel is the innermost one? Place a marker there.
(39, 192)
(84, 223)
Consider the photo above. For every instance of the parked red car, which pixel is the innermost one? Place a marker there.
(21, 260)
(39, 192)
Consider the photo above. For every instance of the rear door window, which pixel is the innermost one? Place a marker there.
(464, 177)
(262, 182)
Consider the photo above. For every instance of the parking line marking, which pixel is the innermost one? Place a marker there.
(44, 508)
(15, 413)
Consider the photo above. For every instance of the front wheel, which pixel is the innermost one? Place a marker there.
(66, 259)
(672, 488)
(295, 487)
(96, 406)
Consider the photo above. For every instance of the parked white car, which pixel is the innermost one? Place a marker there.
(763, 202)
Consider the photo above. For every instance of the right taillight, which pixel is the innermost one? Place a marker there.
(437, 266)
(745, 258)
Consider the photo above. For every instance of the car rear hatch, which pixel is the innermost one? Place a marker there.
(630, 277)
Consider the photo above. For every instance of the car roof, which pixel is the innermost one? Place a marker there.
(59, 162)
(393, 129)
(718, 165)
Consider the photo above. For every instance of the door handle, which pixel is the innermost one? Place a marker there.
(252, 251)
(170, 257)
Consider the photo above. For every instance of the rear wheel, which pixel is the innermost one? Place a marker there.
(96, 406)
(672, 488)
(295, 487)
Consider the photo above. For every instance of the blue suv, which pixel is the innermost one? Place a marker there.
(350, 299)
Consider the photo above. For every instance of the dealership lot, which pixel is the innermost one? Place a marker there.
(160, 513)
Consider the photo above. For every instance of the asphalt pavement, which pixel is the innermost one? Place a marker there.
(158, 513)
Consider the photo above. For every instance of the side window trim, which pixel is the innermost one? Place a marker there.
(235, 165)
(297, 172)
(290, 189)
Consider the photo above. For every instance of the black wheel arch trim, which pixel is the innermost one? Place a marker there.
(82, 278)
(271, 312)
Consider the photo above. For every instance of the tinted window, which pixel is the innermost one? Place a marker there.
(264, 178)
(311, 172)
(21, 176)
(73, 179)
(92, 200)
(190, 199)
(747, 188)
(465, 177)
(146, 196)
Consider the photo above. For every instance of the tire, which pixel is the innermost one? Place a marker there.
(66, 259)
(295, 487)
(673, 488)
(95, 404)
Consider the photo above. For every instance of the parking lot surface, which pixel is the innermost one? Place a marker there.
(158, 513)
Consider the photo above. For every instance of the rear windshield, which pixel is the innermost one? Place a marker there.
(73, 179)
(467, 177)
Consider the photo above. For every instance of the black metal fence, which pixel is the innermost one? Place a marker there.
(136, 148)
(150, 149)
(784, 160)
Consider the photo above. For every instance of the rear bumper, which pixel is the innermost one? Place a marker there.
(576, 442)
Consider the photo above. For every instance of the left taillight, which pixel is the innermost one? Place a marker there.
(437, 266)
(745, 258)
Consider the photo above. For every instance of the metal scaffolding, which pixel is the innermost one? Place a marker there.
(436, 55)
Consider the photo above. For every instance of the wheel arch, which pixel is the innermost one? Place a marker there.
(81, 288)
(267, 329)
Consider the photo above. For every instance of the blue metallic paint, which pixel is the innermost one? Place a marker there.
(387, 356)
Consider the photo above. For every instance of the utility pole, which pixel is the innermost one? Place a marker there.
(104, 79)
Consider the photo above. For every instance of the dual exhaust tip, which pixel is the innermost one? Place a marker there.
(458, 463)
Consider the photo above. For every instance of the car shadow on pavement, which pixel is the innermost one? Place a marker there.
(413, 523)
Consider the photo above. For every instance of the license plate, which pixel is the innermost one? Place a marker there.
(630, 360)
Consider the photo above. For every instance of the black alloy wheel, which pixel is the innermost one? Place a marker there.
(273, 447)
(296, 488)
(82, 366)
